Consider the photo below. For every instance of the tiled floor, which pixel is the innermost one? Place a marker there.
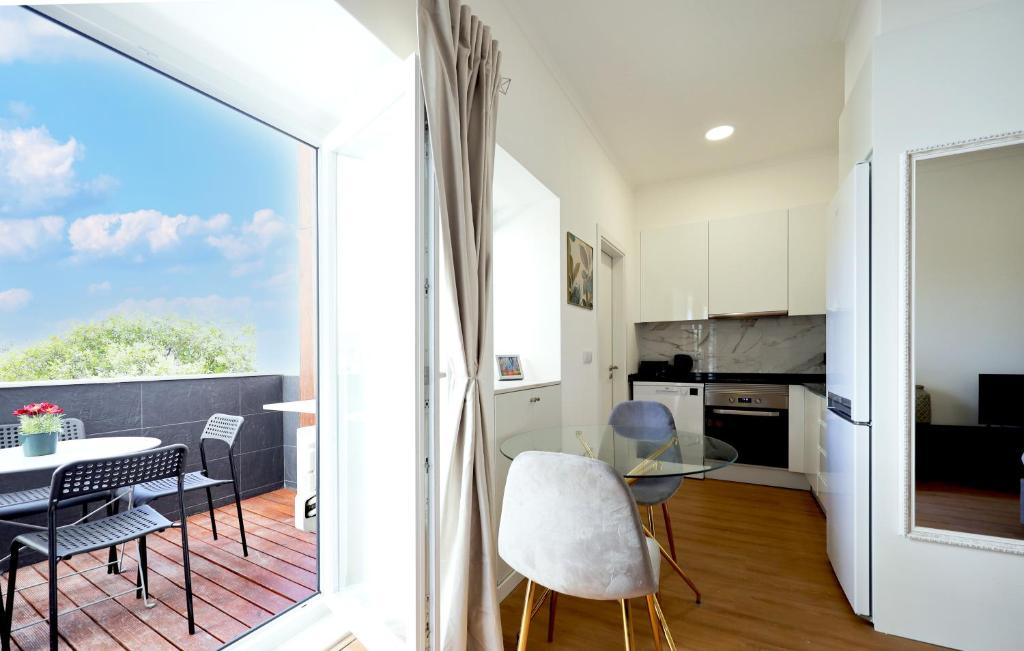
(232, 593)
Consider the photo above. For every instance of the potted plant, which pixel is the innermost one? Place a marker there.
(41, 424)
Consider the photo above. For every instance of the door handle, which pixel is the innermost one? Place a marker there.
(741, 412)
(667, 391)
(613, 367)
(535, 399)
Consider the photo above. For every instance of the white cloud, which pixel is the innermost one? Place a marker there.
(100, 288)
(255, 237)
(19, 110)
(26, 36)
(208, 308)
(14, 299)
(21, 238)
(111, 234)
(35, 168)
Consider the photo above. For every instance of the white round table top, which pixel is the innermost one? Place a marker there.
(14, 460)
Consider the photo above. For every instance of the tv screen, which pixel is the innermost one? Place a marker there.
(999, 399)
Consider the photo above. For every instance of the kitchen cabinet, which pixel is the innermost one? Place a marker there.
(807, 260)
(814, 449)
(674, 273)
(748, 269)
(518, 411)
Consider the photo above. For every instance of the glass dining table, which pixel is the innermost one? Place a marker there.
(637, 453)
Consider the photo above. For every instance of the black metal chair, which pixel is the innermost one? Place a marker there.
(219, 427)
(33, 501)
(82, 478)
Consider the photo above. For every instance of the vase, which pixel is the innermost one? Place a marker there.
(38, 445)
(922, 404)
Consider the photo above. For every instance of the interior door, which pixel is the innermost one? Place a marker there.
(606, 332)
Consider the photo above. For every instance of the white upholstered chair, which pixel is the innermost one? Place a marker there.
(569, 523)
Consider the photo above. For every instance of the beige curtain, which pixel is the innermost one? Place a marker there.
(459, 63)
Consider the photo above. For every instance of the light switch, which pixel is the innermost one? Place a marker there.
(588, 357)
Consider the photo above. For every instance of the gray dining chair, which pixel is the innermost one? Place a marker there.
(569, 523)
(91, 478)
(220, 428)
(651, 424)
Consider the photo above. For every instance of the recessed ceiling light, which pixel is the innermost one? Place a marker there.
(719, 133)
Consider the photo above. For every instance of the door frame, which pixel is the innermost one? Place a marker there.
(620, 390)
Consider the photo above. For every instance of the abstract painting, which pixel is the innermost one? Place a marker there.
(579, 257)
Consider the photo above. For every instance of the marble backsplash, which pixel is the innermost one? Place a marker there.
(778, 344)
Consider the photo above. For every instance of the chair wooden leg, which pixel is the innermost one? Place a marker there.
(678, 570)
(552, 605)
(627, 625)
(524, 626)
(664, 624)
(668, 531)
(652, 613)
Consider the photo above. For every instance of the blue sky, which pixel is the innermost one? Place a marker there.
(124, 191)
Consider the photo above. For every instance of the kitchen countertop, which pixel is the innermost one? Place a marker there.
(745, 378)
(817, 388)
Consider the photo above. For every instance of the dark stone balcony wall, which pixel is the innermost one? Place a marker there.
(174, 411)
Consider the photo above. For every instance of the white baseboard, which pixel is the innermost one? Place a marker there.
(508, 584)
(761, 475)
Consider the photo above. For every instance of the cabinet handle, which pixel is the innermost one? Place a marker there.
(535, 399)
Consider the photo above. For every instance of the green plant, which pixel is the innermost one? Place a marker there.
(133, 347)
(40, 418)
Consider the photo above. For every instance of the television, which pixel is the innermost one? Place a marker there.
(999, 399)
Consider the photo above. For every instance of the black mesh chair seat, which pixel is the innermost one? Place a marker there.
(100, 534)
(146, 493)
(34, 501)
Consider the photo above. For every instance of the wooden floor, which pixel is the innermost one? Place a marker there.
(960, 508)
(758, 556)
(232, 594)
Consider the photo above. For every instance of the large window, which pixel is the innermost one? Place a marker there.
(157, 266)
(145, 229)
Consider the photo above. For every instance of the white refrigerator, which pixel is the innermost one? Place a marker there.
(847, 436)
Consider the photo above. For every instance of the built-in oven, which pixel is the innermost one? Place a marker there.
(753, 418)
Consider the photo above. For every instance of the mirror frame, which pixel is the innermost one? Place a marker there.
(907, 377)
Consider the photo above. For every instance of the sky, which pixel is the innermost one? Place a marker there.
(123, 191)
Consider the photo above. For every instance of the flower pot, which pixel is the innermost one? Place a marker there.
(38, 445)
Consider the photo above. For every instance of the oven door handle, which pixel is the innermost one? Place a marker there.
(742, 412)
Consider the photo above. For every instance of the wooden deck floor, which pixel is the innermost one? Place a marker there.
(232, 594)
(758, 556)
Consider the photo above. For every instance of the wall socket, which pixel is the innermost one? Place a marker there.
(588, 357)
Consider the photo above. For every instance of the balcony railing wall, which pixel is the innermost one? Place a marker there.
(174, 411)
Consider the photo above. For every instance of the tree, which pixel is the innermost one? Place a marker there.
(132, 347)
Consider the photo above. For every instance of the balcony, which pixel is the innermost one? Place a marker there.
(232, 593)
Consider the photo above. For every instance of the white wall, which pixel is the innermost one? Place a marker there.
(968, 303)
(774, 186)
(947, 79)
(538, 125)
(527, 304)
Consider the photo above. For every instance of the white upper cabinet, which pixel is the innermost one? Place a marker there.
(807, 260)
(749, 268)
(674, 273)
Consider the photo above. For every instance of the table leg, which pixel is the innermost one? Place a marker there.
(675, 566)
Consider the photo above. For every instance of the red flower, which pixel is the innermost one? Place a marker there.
(38, 409)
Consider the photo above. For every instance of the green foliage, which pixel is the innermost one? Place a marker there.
(42, 424)
(132, 347)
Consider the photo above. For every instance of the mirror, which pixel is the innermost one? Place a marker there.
(965, 343)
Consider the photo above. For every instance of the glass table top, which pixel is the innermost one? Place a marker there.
(635, 451)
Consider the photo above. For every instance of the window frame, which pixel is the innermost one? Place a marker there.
(319, 621)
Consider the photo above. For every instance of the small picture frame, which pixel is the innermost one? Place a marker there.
(509, 367)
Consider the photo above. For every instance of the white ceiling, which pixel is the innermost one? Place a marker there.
(652, 76)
